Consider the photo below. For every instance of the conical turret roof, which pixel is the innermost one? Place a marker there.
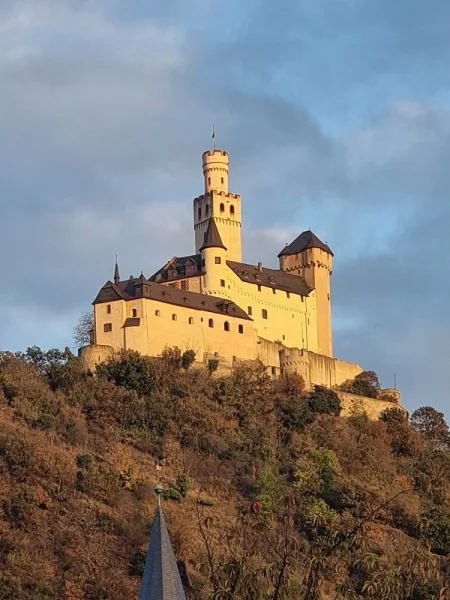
(161, 579)
(212, 237)
(307, 239)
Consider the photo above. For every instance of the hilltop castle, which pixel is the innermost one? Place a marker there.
(225, 309)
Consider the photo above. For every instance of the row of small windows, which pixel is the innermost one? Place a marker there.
(107, 327)
(226, 325)
(221, 208)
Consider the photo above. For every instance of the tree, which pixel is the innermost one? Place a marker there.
(83, 333)
(431, 424)
(364, 384)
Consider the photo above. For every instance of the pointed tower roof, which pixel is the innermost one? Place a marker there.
(305, 240)
(212, 237)
(116, 272)
(161, 579)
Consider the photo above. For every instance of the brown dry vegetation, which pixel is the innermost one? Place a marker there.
(269, 493)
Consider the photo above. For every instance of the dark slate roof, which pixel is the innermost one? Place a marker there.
(212, 237)
(161, 579)
(279, 280)
(143, 288)
(305, 240)
(179, 264)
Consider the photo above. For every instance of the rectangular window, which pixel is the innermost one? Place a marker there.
(108, 309)
(107, 327)
(222, 282)
(250, 310)
(264, 313)
(288, 295)
(259, 288)
(217, 260)
(184, 285)
(274, 291)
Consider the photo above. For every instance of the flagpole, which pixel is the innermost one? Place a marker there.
(214, 138)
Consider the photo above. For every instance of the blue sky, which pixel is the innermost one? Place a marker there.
(335, 115)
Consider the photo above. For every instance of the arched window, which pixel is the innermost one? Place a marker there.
(211, 322)
(241, 329)
(191, 320)
(231, 210)
(222, 207)
(174, 317)
(226, 326)
(199, 212)
(134, 313)
(157, 313)
(207, 209)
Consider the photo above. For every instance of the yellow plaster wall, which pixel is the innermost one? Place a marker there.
(172, 327)
(293, 317)
(315, 266)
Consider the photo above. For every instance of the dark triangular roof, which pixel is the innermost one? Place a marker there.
(305, 240)
(212, 237)
(161, 579)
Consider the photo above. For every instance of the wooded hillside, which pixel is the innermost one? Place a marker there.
(270, 495)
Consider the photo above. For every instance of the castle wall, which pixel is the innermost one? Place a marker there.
(352, 405)
(317, 369)
(159, 324)
(291, 319)
(93, 355)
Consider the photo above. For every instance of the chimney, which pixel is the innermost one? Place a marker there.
(259, 266)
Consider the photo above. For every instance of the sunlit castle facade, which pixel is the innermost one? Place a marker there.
(221, 307)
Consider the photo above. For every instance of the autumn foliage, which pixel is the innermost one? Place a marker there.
(269, 494)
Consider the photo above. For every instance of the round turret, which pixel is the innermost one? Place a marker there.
(215, 170)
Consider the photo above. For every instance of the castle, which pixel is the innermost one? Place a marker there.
(222, 308)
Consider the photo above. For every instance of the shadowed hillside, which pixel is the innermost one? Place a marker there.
(269, 494)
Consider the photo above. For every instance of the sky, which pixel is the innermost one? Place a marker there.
(335, 114)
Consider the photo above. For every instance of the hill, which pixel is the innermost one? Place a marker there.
(269, 493)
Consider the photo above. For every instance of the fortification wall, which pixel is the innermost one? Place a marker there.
(94, 354)
(317, 369)
(352, 405)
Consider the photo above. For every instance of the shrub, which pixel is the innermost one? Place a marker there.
(323, 400)
(183, 485)
(266, 486)
(45, 421)
(138, 563)
(172, 357)
(187, 359)
(21, 507)
(213, 364)
(172, 494)
(9, 590)
(84, 461)
(206, 502)
(295, 413)
(131, 370)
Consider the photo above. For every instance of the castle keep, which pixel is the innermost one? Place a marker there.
(224, 308)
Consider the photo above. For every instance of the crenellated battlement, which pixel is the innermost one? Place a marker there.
(228, 195)
(215, 152)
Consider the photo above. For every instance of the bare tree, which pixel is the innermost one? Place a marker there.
(83, 332)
